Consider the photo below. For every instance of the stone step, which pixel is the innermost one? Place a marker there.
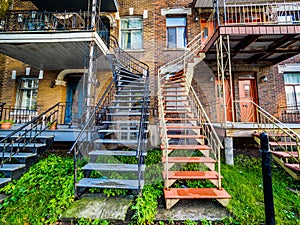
(109, 183)
(113, 167)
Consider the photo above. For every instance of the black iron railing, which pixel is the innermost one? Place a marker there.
(83, 136)
(28, 133)
(48, 21)
(290, 114)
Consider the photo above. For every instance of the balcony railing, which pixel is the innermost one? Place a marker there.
(265, 13)
(290, 114)
(48, 21)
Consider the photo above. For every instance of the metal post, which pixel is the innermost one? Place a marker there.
(267, 179)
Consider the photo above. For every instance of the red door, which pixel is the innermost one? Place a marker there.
(247, 95)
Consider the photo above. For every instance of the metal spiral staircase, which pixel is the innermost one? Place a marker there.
(190, 145)
(114, 139)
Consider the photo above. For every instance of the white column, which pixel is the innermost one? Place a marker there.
(229, 150)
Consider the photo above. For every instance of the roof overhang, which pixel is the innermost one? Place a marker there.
(51, 51)
(73, 5)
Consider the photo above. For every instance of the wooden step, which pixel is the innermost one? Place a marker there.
(285, 154)
(185, 136)
(188, 160)
(187, 147)
(282, 143)
(173, 195)
(191, 175)
(109, 183)
(293, 166)
(113, 167)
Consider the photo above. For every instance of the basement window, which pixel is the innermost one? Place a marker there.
(27, 93)
(292, 91)
(176, 32)
(132, 33)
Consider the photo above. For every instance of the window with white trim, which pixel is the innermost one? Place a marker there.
(27, 93)
(132, 33)
(176, 32)
(292, 90)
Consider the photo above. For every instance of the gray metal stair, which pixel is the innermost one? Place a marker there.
(109, 183)
(116, 141)
(114, 153)
(112, 167)
(22, 157)
(4, 181)
(14, 171)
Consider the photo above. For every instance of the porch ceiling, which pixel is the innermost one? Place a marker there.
(50, 51)
(74, 5)
(256, 46)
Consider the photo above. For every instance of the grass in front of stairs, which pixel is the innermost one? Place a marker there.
(243, 182)
(46, 190)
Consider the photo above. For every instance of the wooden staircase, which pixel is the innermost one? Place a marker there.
(116, 152)
(284, 144)
(191, 149)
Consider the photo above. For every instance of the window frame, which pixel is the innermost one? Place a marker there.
(23, 89)
(296, 99)
(177, 27)
(131, 30)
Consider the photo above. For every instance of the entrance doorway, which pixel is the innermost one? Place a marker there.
(247, 97)
(71, 98)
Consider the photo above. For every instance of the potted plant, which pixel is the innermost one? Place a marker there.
(52, 125)
(6, 124)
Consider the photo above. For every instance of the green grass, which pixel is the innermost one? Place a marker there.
(244, 183)
(46, 190)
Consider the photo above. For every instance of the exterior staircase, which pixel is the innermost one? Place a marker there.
(190, 145)
(22, 147)
(116, 153)
(283, 141)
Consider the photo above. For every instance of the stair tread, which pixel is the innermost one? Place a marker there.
(285, 154)
(185, 136)
(128, 113)
(293, 166)
(120, 131)
(176, 111)
(12, 167)
(123, 121)
(4, 180)
(29, 145)
(178, 118)
(282, 143)
(116, 141)
(113, 167)
(187, 147)
(175, 95)
(182, 127)
(109, 183)
(191, 175)
(113, 153)
(195, 193)
(174, 100)
(19, 155)
(132, 96)
(189, 159)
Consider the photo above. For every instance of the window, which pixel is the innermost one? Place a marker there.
(27, 93)
(292, 90)
(176, 32)
(132, 33)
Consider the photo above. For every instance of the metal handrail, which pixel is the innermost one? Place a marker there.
(142, 128)
(192, 48)
(271, 124)
(34, 128)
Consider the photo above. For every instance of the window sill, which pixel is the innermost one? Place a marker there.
(174, 49)
(134, 50)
